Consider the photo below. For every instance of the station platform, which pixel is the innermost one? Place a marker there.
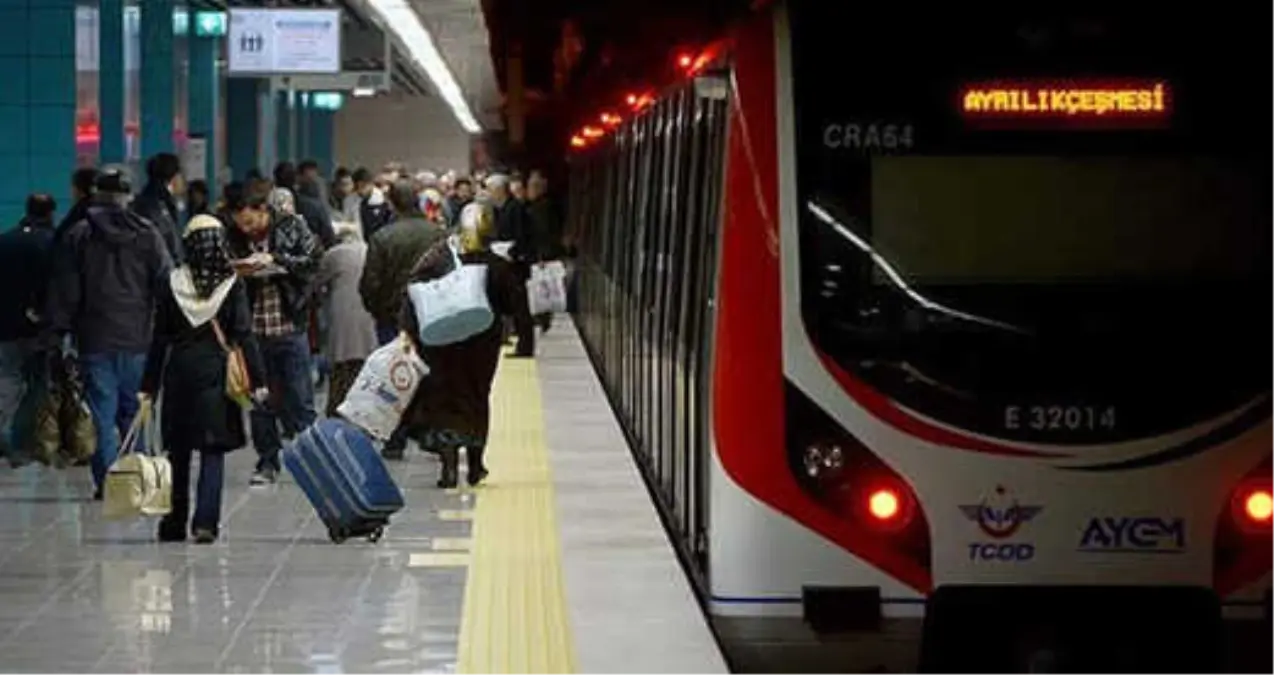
(559, 564)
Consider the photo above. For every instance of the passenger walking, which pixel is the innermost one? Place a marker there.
(82, 188)
(342, 200)
(107, 273)
(545, 224)
(511, 229)
(351, 334)
(392, 254)
(157, 202)
(278, 256)
(373, 209)
(202, 313)
(452, 409)
(24, 274)
(460, 197)
(310, 206)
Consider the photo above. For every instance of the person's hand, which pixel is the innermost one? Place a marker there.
(264, 260)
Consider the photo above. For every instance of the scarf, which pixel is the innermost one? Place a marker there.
(202, 284)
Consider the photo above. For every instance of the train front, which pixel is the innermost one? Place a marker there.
(1026, 275)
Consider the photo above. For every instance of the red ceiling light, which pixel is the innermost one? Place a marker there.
(631, 99)
(578, 141)
(685, 60)
(592, 132)
(611, 120)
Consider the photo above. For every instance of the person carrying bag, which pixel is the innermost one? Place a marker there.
(139, 483)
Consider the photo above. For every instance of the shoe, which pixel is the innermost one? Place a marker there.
(171, 531)
(97, 495)
(477, 471)
(449, 475)
(266, 476)
(205, 536)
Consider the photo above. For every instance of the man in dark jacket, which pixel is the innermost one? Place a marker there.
(309, 205)
(82, 182)
(391, 256)
(278, 256)
(545, 226)
(373, 208)
(107, 272)
(158, 201)
(24, 275)
(511, 228)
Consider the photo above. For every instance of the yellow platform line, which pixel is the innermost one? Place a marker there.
(514, 618)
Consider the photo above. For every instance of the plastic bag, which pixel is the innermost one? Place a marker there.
(139, 483)
(384, 388)
(453, 307)
(63, 432)
(546, 289)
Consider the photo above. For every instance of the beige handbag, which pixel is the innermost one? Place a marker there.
(238, 383)
(139, 483)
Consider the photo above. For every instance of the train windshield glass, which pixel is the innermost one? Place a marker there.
(1067, 217)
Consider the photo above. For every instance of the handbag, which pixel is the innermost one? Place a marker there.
(139, 483)
(238, 383)
(453, 307)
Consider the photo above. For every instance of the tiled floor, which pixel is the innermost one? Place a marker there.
(78, 594)
(567, 537)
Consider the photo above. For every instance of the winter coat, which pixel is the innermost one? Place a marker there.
(107, 272)
(391, 256)
(197, 414)
(25, 256)
(546, 228)
(351, 333)
(456, 396)
(156, 204)
(309, 205)
(374, 214)
(296, 250)
(511, 224)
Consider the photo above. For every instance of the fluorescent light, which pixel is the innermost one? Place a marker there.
(364, 92)
(398, 16)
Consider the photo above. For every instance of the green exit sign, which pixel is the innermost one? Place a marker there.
(327, 100)
(210, 24)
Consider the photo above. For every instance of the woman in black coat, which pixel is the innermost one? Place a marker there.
(187, 364)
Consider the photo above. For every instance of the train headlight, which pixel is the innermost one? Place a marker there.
(1254, 507)
(884, 505)
(824, 461)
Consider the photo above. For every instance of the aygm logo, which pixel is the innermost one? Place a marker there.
(1134, 535)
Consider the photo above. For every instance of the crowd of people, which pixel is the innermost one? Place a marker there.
(295, 278)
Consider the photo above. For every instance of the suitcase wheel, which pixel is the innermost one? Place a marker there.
(375, 535)
(337, 533)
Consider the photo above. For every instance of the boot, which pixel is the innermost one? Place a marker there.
(449, 476)
(477, 470)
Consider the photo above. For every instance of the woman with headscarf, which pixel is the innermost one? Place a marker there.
(187, 366)
(452, 409)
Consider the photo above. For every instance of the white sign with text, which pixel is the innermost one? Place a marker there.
(284, 41)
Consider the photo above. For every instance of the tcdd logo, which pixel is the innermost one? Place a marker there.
(999, 515)
(1134, 535)
(999, 551)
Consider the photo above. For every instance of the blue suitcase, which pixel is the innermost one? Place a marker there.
(343, 476)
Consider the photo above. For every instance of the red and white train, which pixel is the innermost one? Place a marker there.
(944, 341)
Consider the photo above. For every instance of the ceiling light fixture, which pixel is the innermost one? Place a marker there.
(399, 17)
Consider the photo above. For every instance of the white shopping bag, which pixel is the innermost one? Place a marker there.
(384, 388)
(546, 289)
(140, 482)
(454, 307)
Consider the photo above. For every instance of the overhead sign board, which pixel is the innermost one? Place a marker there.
(284, 41)
(350, 80)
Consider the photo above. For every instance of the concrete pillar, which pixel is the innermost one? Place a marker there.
(320, 139)
(157, 77)
(284, 151)
(37, 103)
(110, 82)
(242, 125)
(204, 94)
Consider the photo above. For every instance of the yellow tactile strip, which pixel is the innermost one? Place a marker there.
(514, 618)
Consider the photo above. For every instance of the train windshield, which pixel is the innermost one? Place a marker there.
(1057, 232)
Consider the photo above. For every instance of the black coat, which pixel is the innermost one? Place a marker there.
(295, 249)
(156, 204)
(190, 365)
(456, 396)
